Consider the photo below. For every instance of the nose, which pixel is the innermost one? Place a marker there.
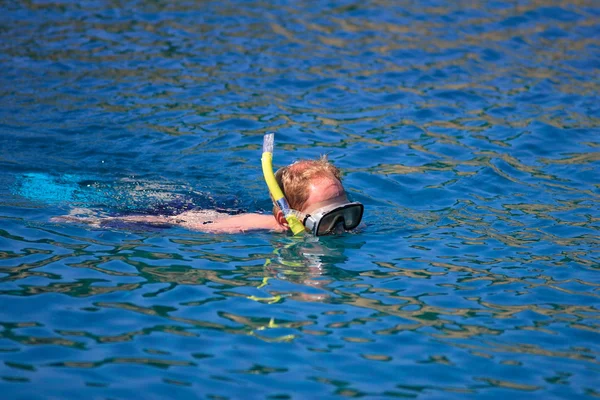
(338, 229)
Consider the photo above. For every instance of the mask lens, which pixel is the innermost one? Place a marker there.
(352, 216)
(328, 222)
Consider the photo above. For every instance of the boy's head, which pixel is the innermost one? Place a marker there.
(314, 189)
(299, 180)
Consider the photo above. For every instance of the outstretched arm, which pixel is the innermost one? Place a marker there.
(225, 223)
(202, 220)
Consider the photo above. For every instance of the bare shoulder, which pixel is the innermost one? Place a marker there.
(212, 221)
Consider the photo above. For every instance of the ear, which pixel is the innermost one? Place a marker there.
(281, 219)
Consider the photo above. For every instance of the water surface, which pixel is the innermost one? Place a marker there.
(470, 131)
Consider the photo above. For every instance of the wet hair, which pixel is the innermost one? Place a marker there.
(295, 179)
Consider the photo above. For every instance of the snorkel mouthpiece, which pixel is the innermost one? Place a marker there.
(267, 168)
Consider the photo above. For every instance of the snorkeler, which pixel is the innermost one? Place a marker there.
(308, 196)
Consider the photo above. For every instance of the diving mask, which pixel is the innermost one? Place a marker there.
(323, 218)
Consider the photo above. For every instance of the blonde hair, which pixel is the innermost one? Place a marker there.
(295, 179)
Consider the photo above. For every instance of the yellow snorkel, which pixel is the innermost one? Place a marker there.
(267, 168)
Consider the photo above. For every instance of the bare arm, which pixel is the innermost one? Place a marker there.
(224, 223)
(201, 220)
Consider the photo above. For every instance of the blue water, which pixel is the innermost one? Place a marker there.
(470, 131)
